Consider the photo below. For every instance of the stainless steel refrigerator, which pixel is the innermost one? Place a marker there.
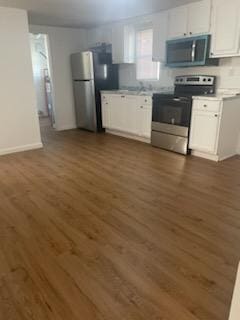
(92, 72)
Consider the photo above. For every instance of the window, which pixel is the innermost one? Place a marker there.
(146, 68)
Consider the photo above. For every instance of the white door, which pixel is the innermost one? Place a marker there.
(178, 22)
(160, 27)
(144, 118)
(225, 28)
(204, 131)
(199, 16)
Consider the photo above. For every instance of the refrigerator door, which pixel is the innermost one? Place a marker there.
(82, 66)
(85, 104)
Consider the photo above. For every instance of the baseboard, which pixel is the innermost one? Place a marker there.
(21, 148)
(67, 127)
(128, 135)
(203, 155)
(235, 307)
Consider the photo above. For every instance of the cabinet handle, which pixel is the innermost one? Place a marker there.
(205, 105)
(216, 115)
(122, 96)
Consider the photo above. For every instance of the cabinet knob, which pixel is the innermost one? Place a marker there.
(184, 34)
(216, 115)
(141, 107)
(211, 53)
(122, 96)
(205, 105)
(190, 33)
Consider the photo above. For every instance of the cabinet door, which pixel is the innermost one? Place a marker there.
(123, 44)
(199, 16)
(118, 44)
(105, 114)
(204, 131)
(178, 22)
(160, 26)
(144, 119)
(130, 114)
(225, 28)
(116, 112)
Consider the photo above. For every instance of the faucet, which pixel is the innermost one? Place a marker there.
(142, 88)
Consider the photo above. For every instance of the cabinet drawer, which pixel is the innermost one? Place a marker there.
(207, 105)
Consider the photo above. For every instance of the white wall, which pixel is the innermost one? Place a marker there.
(19, 126)
(63, 42)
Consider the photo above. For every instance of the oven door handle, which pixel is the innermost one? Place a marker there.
(180, 99)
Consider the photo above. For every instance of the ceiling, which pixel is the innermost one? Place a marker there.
(87, 13)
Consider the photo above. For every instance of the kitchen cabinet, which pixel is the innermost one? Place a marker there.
(190, 20)
(225, 28)
(129, 115)
(123, 44)
(160, 27)
(215, 127)
(144, 119)
(204, 133)
(199, 17)
(178, 22)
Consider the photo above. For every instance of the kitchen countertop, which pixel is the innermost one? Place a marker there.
(217, 97)
(133, 93)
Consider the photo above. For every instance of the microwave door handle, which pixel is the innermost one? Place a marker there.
(193, 50)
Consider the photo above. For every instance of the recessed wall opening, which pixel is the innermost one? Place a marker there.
(42, 79)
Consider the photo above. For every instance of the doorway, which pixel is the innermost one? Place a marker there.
(42, 79)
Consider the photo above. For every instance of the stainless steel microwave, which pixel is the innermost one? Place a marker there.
(189, 52)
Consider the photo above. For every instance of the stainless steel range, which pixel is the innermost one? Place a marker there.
(172, 113)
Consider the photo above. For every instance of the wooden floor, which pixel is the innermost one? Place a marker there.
(98, 227)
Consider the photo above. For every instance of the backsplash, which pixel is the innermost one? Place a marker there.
(228, 75)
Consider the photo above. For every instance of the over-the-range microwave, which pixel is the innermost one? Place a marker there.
(189, 52)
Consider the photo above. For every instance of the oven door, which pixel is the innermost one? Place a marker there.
(172, 114)
(171, 123)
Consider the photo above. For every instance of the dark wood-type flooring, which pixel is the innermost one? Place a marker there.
(98, 227)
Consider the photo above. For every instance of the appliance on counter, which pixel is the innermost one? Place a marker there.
(190, 52)
(92, 72)
(172, 113)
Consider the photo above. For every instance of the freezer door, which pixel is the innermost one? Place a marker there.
(85, 105)
(82, 66)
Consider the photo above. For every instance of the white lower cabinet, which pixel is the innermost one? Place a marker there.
(144, 118)
(204, 133)
(127, 114)
(215, 128)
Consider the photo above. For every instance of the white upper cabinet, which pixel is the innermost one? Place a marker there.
(199, 17)
(189, 20)
(178, 22)
(123, 44)
(160, 26)
(225, 28)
